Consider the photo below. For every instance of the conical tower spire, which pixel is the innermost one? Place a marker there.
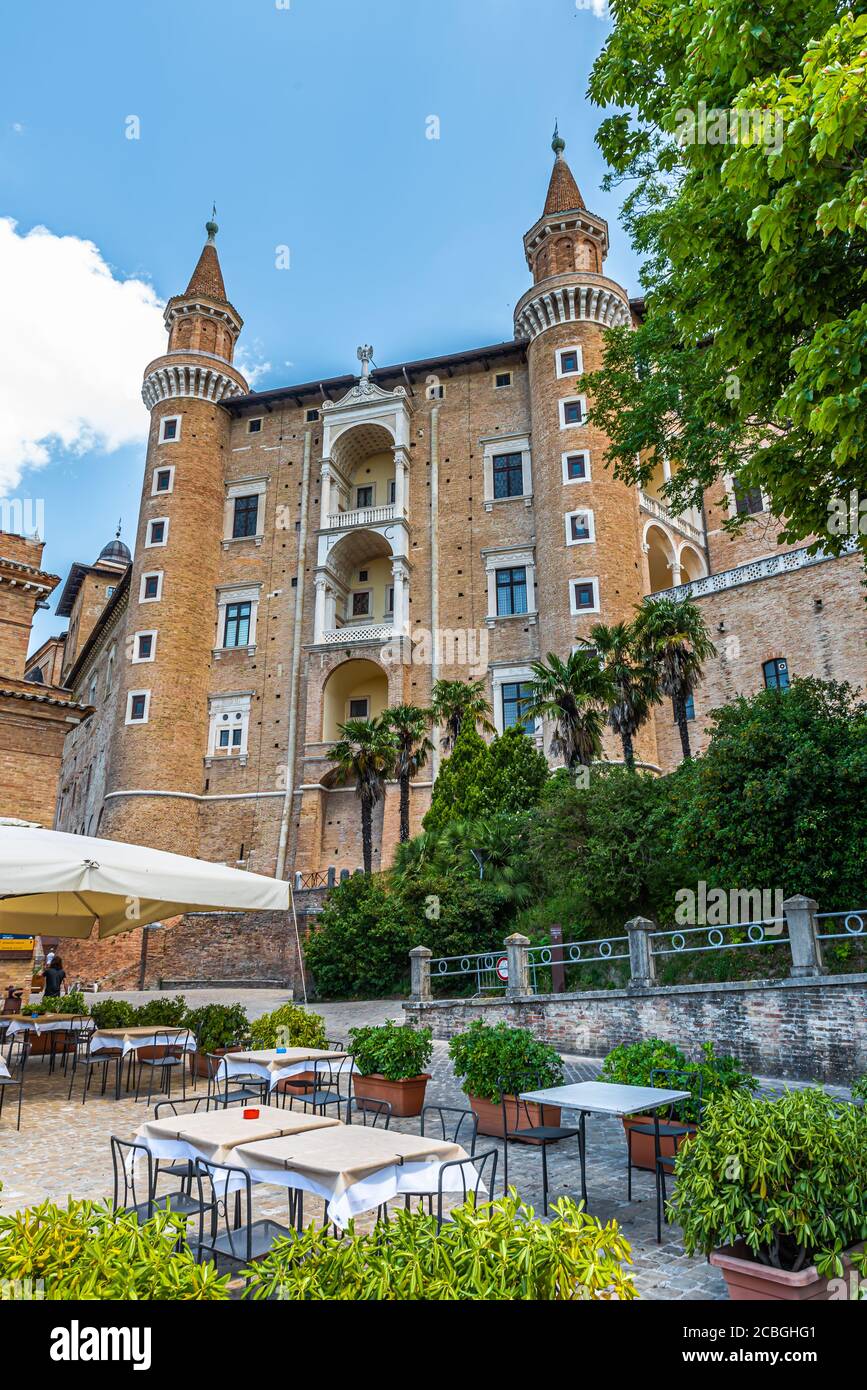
(563, 194)
(207, 278)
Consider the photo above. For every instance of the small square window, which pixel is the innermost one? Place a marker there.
(584, 596)
(358, 709)
(748, 500)
(570, 361)
(363, 498)
(580, 527)
(137, 706)
(151, 587)
(163, 480)
(573, 412)
(502, 380)
(776, 674)
(157, 532)
(254, 426)
(362, 576)
(312, 416)
(170, 429)
(576, 468)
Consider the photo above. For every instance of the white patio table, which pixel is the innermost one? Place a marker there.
(46, 1023)
(215, 1134)
(274, 1065)
(602, 1098)
(131, 1039)
(354, 1168)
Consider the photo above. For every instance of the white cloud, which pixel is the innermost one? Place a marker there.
(74, 343)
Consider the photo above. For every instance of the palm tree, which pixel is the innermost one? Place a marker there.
(366, 752)
(574, 693)
(672, 638)
(409, 726)
(455, 701)
(636, 685)
(423, 855)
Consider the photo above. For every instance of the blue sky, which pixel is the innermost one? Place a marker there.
(307, 125)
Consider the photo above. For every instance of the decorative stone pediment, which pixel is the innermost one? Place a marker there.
(366, 392)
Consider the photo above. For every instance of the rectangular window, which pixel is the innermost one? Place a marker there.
(690, 708)
(151, 587)
(254, 426)
(579, 527)
(312, 416)
(163, 480)
(358, 709)
(776, 674)
(237, 630)
(364, 497)
(246, 518)
(145, 646)
(584, 596)
(170, 429)
(361, 603)
(516, 696)
(569, 361)
(224, 737)
(572, 412)
(511, 592)
(391, 491)
(502, 380)
(576, 468)
(389, 599)
(508, 475)
(157, 532)
(137, 706)
(109, 591)
(748, 500)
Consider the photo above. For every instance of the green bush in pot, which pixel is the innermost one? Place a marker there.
(113, 1013)
(786, 1176)
(633, 1064)
(289, 1026)
(489, 1058)
(392, 1050)
(162, 1013)
(216, 1026)
(71, 1003)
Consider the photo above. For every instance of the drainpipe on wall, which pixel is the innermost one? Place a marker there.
(434, 568)
(296, 665)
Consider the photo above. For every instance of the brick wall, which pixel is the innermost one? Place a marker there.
(802, 1030)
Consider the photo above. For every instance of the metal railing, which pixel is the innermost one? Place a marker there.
(481, 967)
(854, 923)
(769, 933)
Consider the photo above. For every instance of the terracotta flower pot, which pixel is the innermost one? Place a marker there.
(406, 1097)
(199, 1060)
(490, 1116)
(747, 1279)
(643, 1147)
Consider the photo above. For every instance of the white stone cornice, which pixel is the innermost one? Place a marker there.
(547, 305)
(174, 381)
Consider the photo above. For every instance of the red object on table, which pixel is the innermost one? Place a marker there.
(251, 1114)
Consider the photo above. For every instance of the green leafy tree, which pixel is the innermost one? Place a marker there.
(409, 725)
(672, 639)
(481, 780)
(359, 947)
(753, 234)
(456, 778)
(635, 685)
(365, 754)
(574, 694)
(455, 703)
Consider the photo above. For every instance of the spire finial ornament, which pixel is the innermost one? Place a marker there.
(558, 145)
(119, 525)
(365, 356)
(211, 226)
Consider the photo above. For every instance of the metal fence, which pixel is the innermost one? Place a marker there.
(675, 943)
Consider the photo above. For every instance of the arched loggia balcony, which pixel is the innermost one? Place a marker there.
(361, 591)
(364, 481)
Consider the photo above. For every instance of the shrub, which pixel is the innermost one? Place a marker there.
(288, 1026)
(360, 945)
(633, 1064)
(391, 1050)
(481, 779)
(71, 1003)
(788, 1177)
(498, 1060)
(162, 1013)
(859, 1089)
(113, 1013)
(218, 1025)
(87, 1251)
(498, 1252)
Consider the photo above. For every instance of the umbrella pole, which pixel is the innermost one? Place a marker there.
(298, 943)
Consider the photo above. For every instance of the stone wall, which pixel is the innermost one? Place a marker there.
(798, 1029)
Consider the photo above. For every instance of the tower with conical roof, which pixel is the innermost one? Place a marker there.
(161, 733)
(587, 527)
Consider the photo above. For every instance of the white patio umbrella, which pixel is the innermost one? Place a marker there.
(55, 884)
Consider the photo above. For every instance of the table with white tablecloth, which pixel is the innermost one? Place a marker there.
(280, 1064)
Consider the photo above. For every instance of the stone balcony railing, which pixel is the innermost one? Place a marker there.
(357, 632)
(368, 516)
(654, 507)
(754, 570)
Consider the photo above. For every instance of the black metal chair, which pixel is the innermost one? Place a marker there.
(327, 1091)
(669, 1127)
(472, 1171)
(134, 1188)
(541, 1135)
(183, 1169)
(450, 1129)
(17, 1052)
(371, 1112)
(84, 1057)
(170, 1055)
(225, 1090)
(243, 1240)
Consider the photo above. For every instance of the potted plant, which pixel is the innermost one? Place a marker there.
(113, 1013)
(775, 1192)
(290, 1026)
(498, 1060)
(633, 1064)
(218, 1028)
(390, 1063)
(71, 1003)
(159, 1014)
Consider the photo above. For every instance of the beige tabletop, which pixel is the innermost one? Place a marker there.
(214, 1134)
(140, 1031)
(43, 1018)
(272, 1059)
(343, 1155)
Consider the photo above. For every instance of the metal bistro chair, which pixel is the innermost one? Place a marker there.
(433, 1121)
(371, 1112)
(298, 1085)
(542, 1135)
(183, 1169)
(17, 1052)
(243, 1240)
(170, 1055)
(472, 1171)
(328, 1088)
(135, 1192)
(84, 1057)
(225, 1090)
(664, 1126)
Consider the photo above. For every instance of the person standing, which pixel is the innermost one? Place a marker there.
(54, 978)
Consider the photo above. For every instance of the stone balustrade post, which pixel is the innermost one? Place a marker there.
(642, 966)
(519, 965)
(804, 943)
(419, 967)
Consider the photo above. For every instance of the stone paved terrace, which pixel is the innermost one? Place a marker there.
(63, 1148)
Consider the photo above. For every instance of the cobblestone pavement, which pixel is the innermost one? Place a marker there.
(63, 1149)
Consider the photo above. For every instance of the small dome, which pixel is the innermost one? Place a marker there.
(116, 551)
